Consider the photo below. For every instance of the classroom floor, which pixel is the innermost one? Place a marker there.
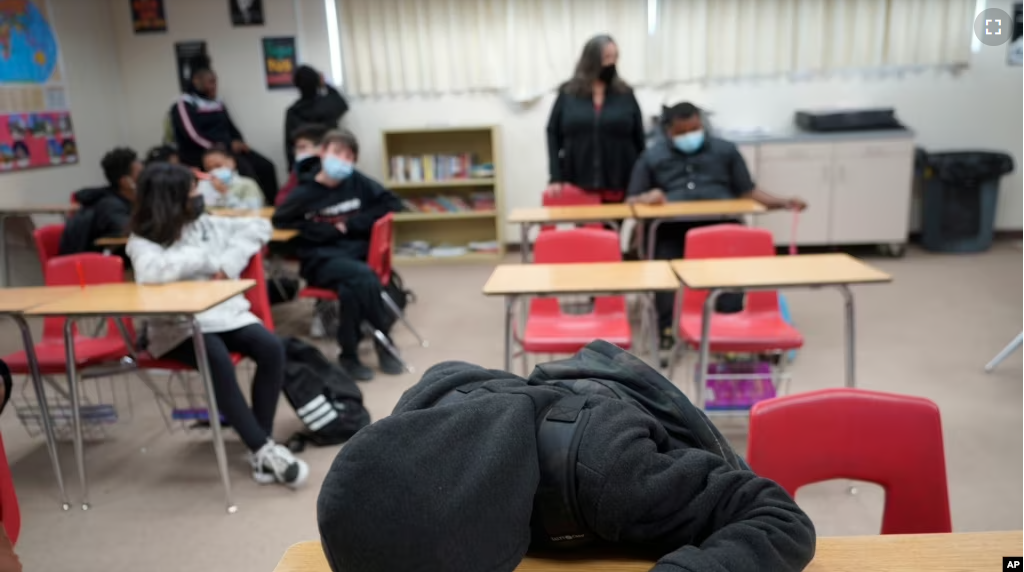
(157, 499)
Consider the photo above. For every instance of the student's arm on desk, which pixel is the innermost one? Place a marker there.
(743, 186)
(291, 215)
(154, 264)
(247, 236)
(642, 187)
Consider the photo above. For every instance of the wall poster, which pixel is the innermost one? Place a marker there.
(148, 16)
(185, 54)
(279, 61)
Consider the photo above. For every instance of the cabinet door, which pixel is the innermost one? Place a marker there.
(871, 196)
(749, 154)
(803, 171)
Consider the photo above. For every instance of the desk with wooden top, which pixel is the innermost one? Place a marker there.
(264, 212)
(14, 302)
(277, 235)
(527, 217)
(26, 210)
(718, 275)
(136, 300)
(957, 552)
(653, 216)
(515, 280)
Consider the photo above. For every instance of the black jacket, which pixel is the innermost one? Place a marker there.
(716, 171)
(314, 210)
(594, 150)
(104, 213)
(200, 124)
(450, 486)
(326, 110)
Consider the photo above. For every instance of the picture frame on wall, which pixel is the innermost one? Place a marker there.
(246, 12)
(1015, 57)
(279, 61)
(148, 16)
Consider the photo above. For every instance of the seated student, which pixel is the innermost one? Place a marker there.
(685, 165)
(318, 103)
(105, 211)
(172, 240)
(201, 121)
(335, 212)
(307, 140)
(226, 188)
(163, 154)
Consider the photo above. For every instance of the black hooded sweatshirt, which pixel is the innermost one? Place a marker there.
(325, 109)
(450, 486)
(104, 213)
(200, 124)
(314, 209)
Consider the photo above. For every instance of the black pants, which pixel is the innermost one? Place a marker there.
(254, 425)
(668, 245)
(358, 291)
(255, 166)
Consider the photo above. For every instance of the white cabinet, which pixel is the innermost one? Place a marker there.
(797, 170)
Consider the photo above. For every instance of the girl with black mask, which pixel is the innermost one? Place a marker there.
(596, 130)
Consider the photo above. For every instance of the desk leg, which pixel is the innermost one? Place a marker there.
(76, 408)
(673, 356)
(851, 336)
(524, 242)
(510, 303)
(1004, 353)
(3, 251)
(705, 346)
(214, 413)
(652, 232)
(44, 409)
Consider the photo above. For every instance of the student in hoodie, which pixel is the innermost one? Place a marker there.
(318, 103)
(172, 240)
(335, 213)
(201, 121)
(105, 211)
(226, 188)
(685, 164)
(307, 147)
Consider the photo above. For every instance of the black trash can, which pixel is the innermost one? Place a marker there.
(960, 190)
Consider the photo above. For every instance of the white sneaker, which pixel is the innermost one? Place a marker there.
(274, 463)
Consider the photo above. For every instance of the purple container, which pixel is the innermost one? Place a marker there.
(738, 393)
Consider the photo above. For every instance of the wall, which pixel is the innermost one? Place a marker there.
(89, 54)
(149, 70)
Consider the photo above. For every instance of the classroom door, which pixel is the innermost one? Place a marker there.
(800, 170)
(871, 197)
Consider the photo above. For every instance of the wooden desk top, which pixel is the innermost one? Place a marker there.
(265, 212)
(776, 271)
(963, 552)
(595, 278)
(735, 207)
(17, 300)
(129, 299)
(588, 213)
(38, 209)
(278, 235)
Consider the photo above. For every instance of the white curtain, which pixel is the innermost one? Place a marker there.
(525, 48)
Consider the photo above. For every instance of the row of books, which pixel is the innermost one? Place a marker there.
(420, 168)
(422, 249)
(483, 201)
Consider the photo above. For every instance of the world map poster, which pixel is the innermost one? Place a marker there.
(35, 120)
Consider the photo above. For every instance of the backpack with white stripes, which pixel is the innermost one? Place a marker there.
(325, 398)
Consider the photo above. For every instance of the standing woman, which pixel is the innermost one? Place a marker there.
(596, 131)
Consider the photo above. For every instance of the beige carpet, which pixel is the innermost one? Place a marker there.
(157, 501)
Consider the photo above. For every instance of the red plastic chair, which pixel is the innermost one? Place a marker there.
(73, 270)
(570, 196)
(759, 327)
(10, 513)
(47, 241)
(548, 329)
(894, 441)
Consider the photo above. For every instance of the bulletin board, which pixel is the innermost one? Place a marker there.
(35, 117)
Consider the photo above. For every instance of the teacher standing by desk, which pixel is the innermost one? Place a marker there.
(596, 131)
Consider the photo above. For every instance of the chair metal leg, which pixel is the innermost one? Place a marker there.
(390, 303)
(76, 409)
(1005, 353)
(391, 349)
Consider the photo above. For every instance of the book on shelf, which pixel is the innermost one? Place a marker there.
(432, 168)
(450, 203)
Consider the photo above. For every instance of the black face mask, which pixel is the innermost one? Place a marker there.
(607, 74)
(196, 207)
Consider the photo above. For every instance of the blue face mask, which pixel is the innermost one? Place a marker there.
(689, 142)
(336, 169)
(225, 175)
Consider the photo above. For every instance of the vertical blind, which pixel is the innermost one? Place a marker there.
(524, 48)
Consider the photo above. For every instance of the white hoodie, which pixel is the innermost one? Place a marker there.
(207, 246)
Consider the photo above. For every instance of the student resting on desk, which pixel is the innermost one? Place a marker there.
(226, 188)
(172, 240)
(105, 211)
(687, 165)
(307, 150)
(335, 212)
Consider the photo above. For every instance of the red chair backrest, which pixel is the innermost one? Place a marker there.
(571, 196)
(258, 296)
(729, 241)
(47, 241)
(379, 256)
(74, 270)
(10, 512)
(894, 441)
(575, 246)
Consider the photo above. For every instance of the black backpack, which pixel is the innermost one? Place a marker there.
(398, 292)
(325, 398)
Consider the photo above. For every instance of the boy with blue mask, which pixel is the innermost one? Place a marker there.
(225, 188)
(334, 213)
(689, 165)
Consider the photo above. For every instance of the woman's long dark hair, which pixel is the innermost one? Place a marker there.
(162, 206)
(588, 68)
